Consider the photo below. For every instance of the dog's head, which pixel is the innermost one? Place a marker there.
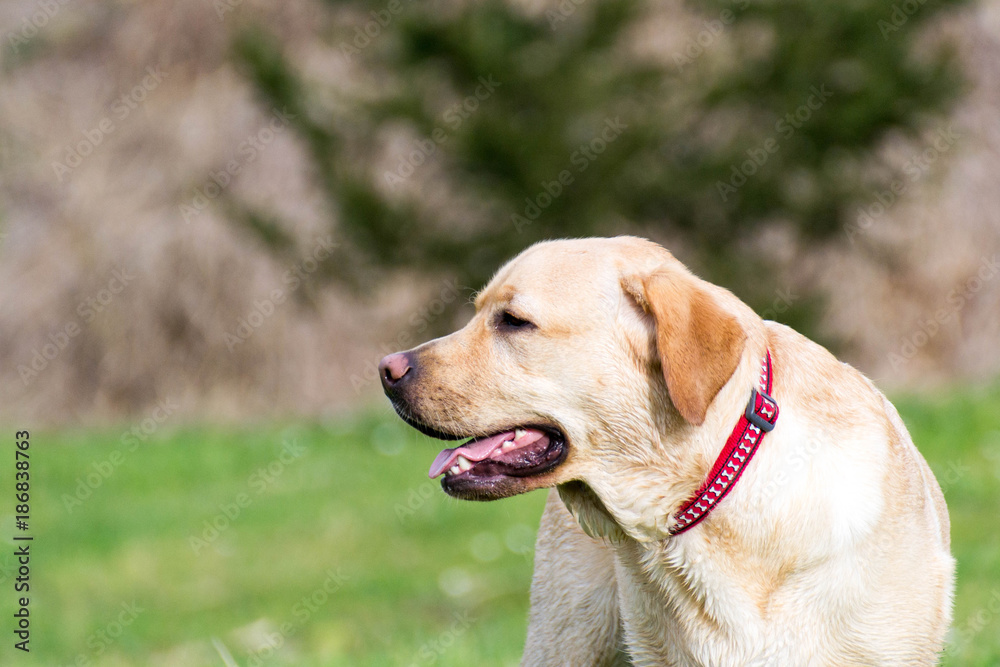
(584, 361)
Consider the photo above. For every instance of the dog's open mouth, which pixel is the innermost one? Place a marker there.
(521, 452)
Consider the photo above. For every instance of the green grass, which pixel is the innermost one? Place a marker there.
(412, 577)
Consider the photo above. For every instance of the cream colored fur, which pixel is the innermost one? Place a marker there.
(833, 548)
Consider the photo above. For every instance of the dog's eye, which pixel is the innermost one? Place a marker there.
(510, 321)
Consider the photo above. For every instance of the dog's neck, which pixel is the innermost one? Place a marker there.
(690, 575)
(682, 456)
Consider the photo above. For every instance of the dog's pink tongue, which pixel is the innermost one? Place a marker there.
(476, 450)
(482, 449)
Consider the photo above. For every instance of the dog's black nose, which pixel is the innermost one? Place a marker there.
(394, 369)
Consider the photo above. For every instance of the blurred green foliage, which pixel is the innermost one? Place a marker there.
(767, 113)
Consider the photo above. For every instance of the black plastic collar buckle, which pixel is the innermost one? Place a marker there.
(764, 416)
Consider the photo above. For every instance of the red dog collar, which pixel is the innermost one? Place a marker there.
(758, 420)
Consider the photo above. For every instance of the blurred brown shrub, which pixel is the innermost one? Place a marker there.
(81, 84)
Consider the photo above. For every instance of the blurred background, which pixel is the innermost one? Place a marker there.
(216, 216)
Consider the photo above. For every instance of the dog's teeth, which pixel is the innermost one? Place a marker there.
(463, 463)
(519, 433)
(454, 470)
(507, 446)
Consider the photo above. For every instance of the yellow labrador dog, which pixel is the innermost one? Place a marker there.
(725, 491)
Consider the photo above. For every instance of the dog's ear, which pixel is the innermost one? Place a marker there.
(698, 342)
